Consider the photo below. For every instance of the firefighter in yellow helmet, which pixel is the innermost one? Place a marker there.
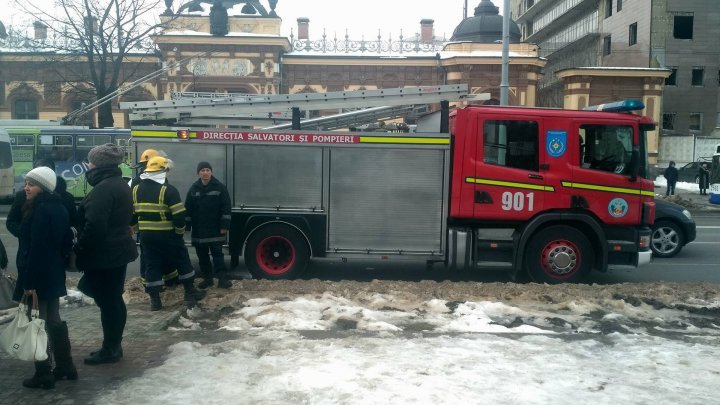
(160, 220)
(142, 163)
(170, 275)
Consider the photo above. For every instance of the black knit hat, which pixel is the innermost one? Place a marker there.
(203, 165)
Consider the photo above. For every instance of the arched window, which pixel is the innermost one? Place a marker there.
(25, 110)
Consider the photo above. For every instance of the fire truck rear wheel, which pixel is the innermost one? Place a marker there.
(276, 252)
(559, 254)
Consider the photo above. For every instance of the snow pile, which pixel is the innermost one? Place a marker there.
(365, 346)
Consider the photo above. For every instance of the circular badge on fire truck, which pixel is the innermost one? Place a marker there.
(618, 208)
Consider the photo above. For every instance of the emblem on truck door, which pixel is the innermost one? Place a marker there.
(618, 208)
(556, 143)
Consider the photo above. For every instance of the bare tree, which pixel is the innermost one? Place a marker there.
(100, 35)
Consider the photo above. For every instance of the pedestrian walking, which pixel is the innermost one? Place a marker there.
(160, 219)
(704, 178)
(207, 208)
(170, 275)
(105, 246)
(671, 176)
(45, 240)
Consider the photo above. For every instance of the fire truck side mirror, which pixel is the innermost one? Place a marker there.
(634, 164)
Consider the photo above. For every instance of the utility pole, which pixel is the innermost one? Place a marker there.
(504, 82)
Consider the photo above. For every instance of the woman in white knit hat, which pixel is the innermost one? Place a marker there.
(44, 242)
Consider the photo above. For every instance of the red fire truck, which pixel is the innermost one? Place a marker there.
(553, 193)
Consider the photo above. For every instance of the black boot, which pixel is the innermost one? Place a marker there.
(155, 303)
(64, 367)
(43, 377)
(207, 276)
(206, 282)
(192, 294)
(223, 281)
(105, 355)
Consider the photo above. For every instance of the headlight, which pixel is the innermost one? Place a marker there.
(687, 214)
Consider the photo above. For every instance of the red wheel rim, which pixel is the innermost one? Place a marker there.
(560, 259)
(275, 255)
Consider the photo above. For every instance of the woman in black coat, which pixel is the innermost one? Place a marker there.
(703, 178)
(44, 242)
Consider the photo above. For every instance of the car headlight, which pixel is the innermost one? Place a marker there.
(687, 214)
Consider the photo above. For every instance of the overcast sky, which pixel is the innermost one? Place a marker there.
(359, 17)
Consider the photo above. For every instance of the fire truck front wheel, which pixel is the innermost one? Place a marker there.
(276, 252)
(559, 254)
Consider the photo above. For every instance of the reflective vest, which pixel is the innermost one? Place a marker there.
(158, 207)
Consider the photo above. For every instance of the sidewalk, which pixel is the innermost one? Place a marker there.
(692, 200)
(145, 343)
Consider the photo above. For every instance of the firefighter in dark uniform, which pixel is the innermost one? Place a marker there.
(170, 275)
(160, 219)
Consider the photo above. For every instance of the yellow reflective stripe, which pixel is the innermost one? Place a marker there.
(161, 201)
(170, 275)
(177, 208)
(609, 189)
(180, 231)
(144, 133)
(155, 225)
(135, 194)
(143, 207)
(511, 184)
(405, 139)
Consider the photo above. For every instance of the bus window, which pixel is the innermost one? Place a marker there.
(55, 147)
(86, 142)
(23, 147)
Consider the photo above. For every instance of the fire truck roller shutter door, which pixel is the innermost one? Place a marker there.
(559, 254)
(276, 251)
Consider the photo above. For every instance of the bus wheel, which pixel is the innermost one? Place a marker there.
(559, 254)
(276, 252)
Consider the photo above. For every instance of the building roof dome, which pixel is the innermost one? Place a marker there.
(485, 26)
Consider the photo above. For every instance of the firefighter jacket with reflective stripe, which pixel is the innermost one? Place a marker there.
(158, 207)
(208, 211)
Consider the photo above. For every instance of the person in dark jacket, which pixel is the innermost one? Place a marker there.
(14, 217)
(160, 219)
(170, 275)
(703, 178)
(207, 208)
(105, 246)
(671, 176)
(44, 241)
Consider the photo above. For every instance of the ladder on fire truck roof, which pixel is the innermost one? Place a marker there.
(229, 110)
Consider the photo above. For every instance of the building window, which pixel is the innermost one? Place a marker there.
(607, 45)
(698, 76)
(683, 27)
(696, 121)
(619, 5)
(26, 110)
(632, 34)
(672, 79)
(668, 121)
(608, 8)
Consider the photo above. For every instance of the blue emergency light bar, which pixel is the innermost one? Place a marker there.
(618, 106)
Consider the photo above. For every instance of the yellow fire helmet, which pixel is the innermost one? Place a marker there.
(157, 164)
(148, 154)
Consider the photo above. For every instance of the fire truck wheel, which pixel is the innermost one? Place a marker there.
(559, 254)
(276, 252)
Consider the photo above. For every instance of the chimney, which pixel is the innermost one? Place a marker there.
(426, 30)
(303, 28)
(40, 30)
